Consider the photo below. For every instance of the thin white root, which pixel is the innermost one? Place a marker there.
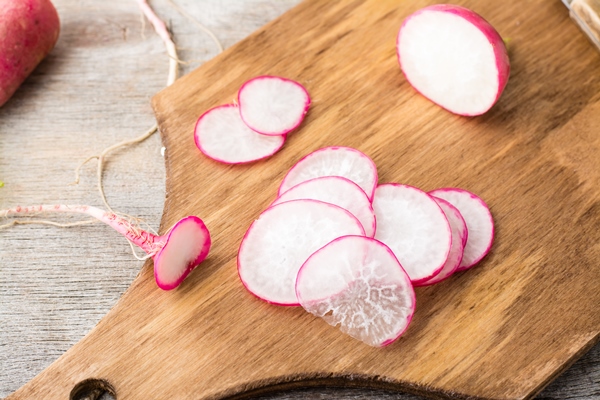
(46, 222)
(197, 23)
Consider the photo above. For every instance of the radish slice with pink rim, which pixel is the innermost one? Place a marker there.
(459, 239)
(271, 105)
(221, 135)
(339, 191)
(282, 238)
(413, 225)
(478, 218)
(357, 283)
(346, 162)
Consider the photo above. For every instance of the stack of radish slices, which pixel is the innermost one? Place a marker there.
(350, 251)
(269, 107)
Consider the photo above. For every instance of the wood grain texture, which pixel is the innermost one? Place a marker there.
(211, 315)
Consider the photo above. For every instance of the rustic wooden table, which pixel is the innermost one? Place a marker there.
(91, 92)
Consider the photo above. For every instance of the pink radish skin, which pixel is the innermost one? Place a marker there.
(28, 31)
(414, 227)
(281, 239)
(338, 191)
(221, 134)
(346, 162)
(478, 218)
(454, 57)
(175, 254)
(459, 239)
(271, 105)
(357, 283)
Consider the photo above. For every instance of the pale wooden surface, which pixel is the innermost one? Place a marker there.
(93, 91)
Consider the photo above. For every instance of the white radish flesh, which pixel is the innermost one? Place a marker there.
(478, 218)
(357, 283)
(282, 238)
(411, 223)
(272, 105)
(346, 162)
(339, 191)
(221, 135)
(454, 57)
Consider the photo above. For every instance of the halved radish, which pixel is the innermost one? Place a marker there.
(478, 218)
(459, 239)
(453, 57)
(346, 162)
(282, 238)
(413, 225)
(339, 191)
(221, 134)
(357, 283)
(272, 105)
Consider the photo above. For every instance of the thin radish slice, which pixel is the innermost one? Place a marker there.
(222, 135)
(459, 239)
(411, 223)
(339, 191)
(479, 221)
(358, 283)
(271, 105)
(282, 238)
(346, 162)
(453, 57)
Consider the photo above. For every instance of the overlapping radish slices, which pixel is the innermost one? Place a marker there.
(351, 252)
(268, 108)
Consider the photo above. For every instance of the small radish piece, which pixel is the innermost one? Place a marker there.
(175, 254)
(339, 191)
(459, 239)
(282, 238)
(272, 105)
(412, 224)
(346, 162)
(453, 57)
(478, 218)
(222, 135)
(358, 283)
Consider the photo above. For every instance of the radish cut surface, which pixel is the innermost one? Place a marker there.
(478, 218)
(346, 162)
(414, 227)
(222, 135)
(271, 105)
(357, 283)
(454, 57)
(339, 191)
(282, 238)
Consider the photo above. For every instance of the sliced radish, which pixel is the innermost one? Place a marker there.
(478, 218)
(222, 135)
(271, 105)
(453, 57)
(411, 223)
(282, 238)
(346, 162)
(339, 191)
(358, 283)
(459, 239)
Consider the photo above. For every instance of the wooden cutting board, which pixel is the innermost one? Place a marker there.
(500, 331)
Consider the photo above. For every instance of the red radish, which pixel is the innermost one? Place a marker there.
(459, 239)
(271, 105)
(222, 135)
(453, 57)
(28, 31)
(346, 162)
(478, 218)
(411, 223)
(339, 191)
(282, 238)
(175, 254)
(358, 283)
